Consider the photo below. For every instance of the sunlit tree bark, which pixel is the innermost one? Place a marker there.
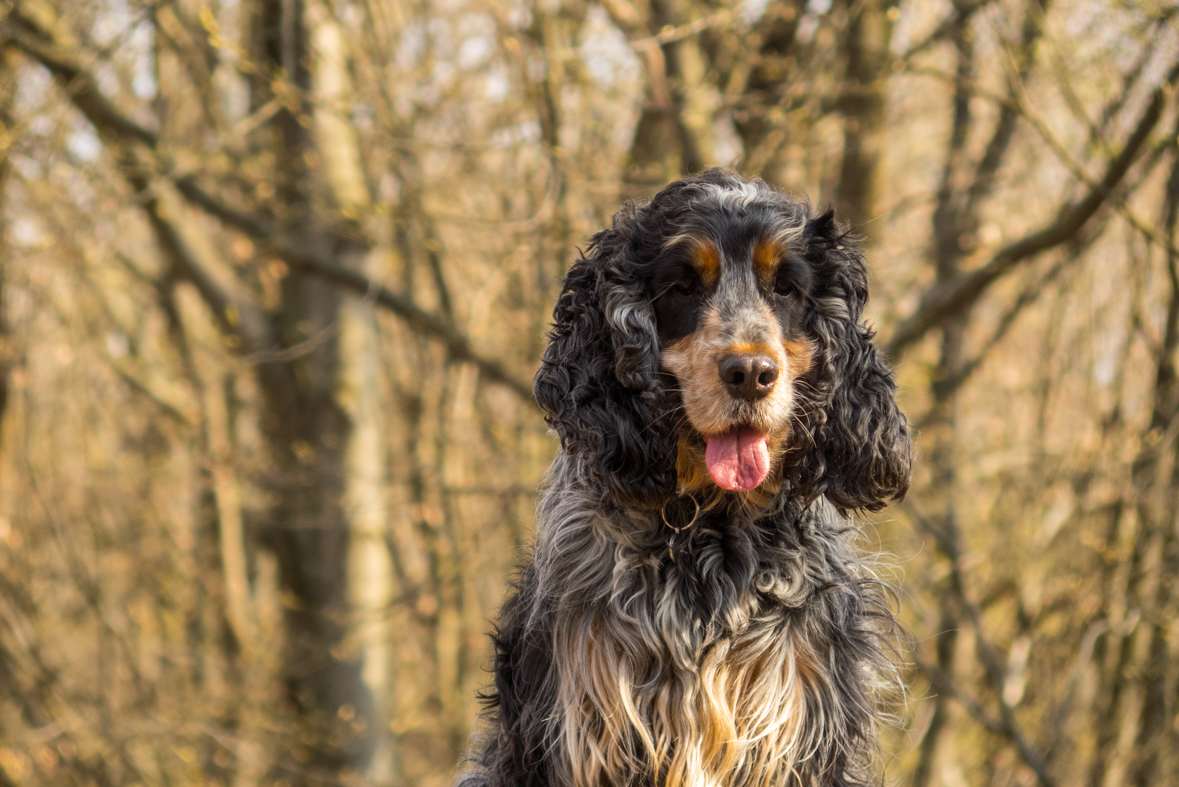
(306, 426)
(8, 84)
(866, 44)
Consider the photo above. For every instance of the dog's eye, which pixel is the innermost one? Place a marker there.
(685, 286)
(793, 278)
(784, 285)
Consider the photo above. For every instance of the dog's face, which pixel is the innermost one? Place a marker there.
(730, 293)
(711, 342)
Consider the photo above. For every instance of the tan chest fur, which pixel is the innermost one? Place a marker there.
(735, 710)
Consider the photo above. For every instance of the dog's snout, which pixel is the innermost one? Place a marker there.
(748, 376)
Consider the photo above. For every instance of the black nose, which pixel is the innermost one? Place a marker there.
(748, 376)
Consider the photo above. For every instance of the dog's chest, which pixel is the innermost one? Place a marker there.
(700, 690)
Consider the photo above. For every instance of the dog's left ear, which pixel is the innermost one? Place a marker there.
(599, 381)
(861, 453)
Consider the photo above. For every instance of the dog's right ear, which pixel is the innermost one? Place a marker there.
(599, 381)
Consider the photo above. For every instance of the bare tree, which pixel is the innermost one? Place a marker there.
(276, 275)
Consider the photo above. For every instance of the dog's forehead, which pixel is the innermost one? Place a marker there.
(749, 207)
(739, 223)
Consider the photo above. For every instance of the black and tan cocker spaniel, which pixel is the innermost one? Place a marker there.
(693, 614)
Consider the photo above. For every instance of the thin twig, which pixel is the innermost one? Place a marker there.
(949, 544)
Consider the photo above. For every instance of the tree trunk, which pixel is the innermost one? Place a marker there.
(369, 569)
(762, 125)
(674, 134)
(7, 352)
(1155, 742)
(308, 433)
(869, 33)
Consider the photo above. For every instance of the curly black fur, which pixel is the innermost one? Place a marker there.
(741, 654)
(599, 381)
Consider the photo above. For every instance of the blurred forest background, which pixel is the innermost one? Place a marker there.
(275, 276)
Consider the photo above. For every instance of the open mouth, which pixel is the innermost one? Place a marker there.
(738, 459)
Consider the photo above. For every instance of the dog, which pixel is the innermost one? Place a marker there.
(693, 613)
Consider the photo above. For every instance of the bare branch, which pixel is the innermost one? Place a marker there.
(307, 261)
(457, 345)
(961, 16)
(1025, 57)
(946, 685)
(22, 33)
(116, 126)
(956, 295)
(1027, 296)
(949, 544)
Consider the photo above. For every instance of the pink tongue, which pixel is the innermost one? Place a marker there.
(738, 460)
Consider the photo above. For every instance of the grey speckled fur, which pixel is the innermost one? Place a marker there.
(743, 650)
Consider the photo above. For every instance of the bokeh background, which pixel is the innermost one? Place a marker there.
(275, 276)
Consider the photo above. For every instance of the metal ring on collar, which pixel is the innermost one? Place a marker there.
(695, 516)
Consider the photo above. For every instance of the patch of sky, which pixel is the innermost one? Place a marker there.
(32, 89)
(142, 42)
(521, 133)
(1104, 370)
(496, 85)
(111, 22)
(809, 24)
(419, 41)
(234, 92)
(84, 145)
(474, 52)
(28, 168)
(26, 231)
(82, 192)
(752, 10)
(413, 45)
(477, 32)
(441, 37)
(144, 85)
(604, 49)
(349, 15)
(107, 79)
(902, 31)
(520, 17)
(806, 28)
(41, 125)
(728, 145)
(1110, 348)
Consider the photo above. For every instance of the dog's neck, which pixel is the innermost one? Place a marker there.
(709, 666)
(717, 560)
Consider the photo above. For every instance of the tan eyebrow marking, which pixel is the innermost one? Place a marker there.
(705, 258)
(766, 254)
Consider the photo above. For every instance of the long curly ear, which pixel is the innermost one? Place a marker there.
(599, 381)
(860, 451)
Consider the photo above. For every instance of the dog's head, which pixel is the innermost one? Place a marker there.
(710, 342)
